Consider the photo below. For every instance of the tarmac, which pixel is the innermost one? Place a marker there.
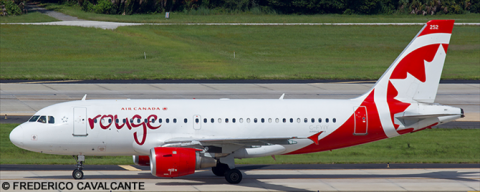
(427, 179)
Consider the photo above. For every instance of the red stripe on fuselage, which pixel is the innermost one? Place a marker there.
(344, 137)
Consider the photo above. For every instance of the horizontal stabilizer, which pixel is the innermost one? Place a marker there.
(424, 116)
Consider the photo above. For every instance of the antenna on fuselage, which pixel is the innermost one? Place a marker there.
(84, 97)
(281, 97)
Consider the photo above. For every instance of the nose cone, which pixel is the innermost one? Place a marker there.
(16, 136)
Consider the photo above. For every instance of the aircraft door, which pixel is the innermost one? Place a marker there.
(80, 121)
(197, 122)
(360, 121)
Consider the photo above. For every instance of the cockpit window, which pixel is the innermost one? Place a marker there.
(51, 120)
(42, 119)
(34, 118)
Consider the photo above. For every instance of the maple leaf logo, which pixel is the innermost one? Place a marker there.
(409, 77)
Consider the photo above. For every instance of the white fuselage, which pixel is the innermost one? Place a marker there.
(74, 133)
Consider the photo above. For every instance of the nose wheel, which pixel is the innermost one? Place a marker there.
(78, 173)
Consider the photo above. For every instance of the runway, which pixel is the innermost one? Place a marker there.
(25, 98)
(264, 179)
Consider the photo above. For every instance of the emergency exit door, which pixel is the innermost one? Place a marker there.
(361, 121)
(80, 121)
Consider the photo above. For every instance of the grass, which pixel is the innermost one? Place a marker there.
(206, 52)
(429, 146)
(180, 17)
(31, 17)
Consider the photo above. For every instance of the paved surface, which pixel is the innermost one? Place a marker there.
(27, 98)
(247, 167)
(54, 14)
(66, 20)
(268, 180)
(114, 25)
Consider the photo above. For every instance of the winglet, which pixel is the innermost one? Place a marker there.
(314, 138)
(84, 97)
(281, 97)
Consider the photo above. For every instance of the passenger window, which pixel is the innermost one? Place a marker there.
(138, 120)
(263, 120)
(153, 120)
(326, 120)
(313, 120)
(241, 120)
(131, 120)
(226, 120)
(233, 120)
(42, 119)
(95, 121)
(174, 120)
(33, 118)
(205, 120)
(51, 120)
(284, 120)
(167, 120)
(145, 120)
(255, 120)
(248, 120)
(305, 120)
(298, 120)
(211, 120)
(159, 120)
(124, 120)
(319, 120)
(334, 120)
(291, 120)
(277, 120)
(219, 120)
(185, 120)
(269, 120)
(110, 120)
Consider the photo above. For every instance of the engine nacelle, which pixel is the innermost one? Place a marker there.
(142, 160)
(177, 161)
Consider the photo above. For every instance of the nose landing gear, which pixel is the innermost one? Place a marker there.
(78, 173)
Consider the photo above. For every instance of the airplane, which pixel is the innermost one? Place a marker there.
(177, 137)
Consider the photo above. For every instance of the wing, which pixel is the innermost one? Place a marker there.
(219, 142)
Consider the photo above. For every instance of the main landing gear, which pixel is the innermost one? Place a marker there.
(78, 173)
(233, 176)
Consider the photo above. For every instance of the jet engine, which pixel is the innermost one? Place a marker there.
(177, 161)
(142, 160)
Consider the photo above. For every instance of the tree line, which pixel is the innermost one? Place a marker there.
(208, 7)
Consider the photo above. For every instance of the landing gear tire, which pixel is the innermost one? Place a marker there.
(233, 176)
(77, 174)
(220, 169)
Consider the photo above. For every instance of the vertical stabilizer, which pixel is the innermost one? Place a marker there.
(413, 77)
(415, 74)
